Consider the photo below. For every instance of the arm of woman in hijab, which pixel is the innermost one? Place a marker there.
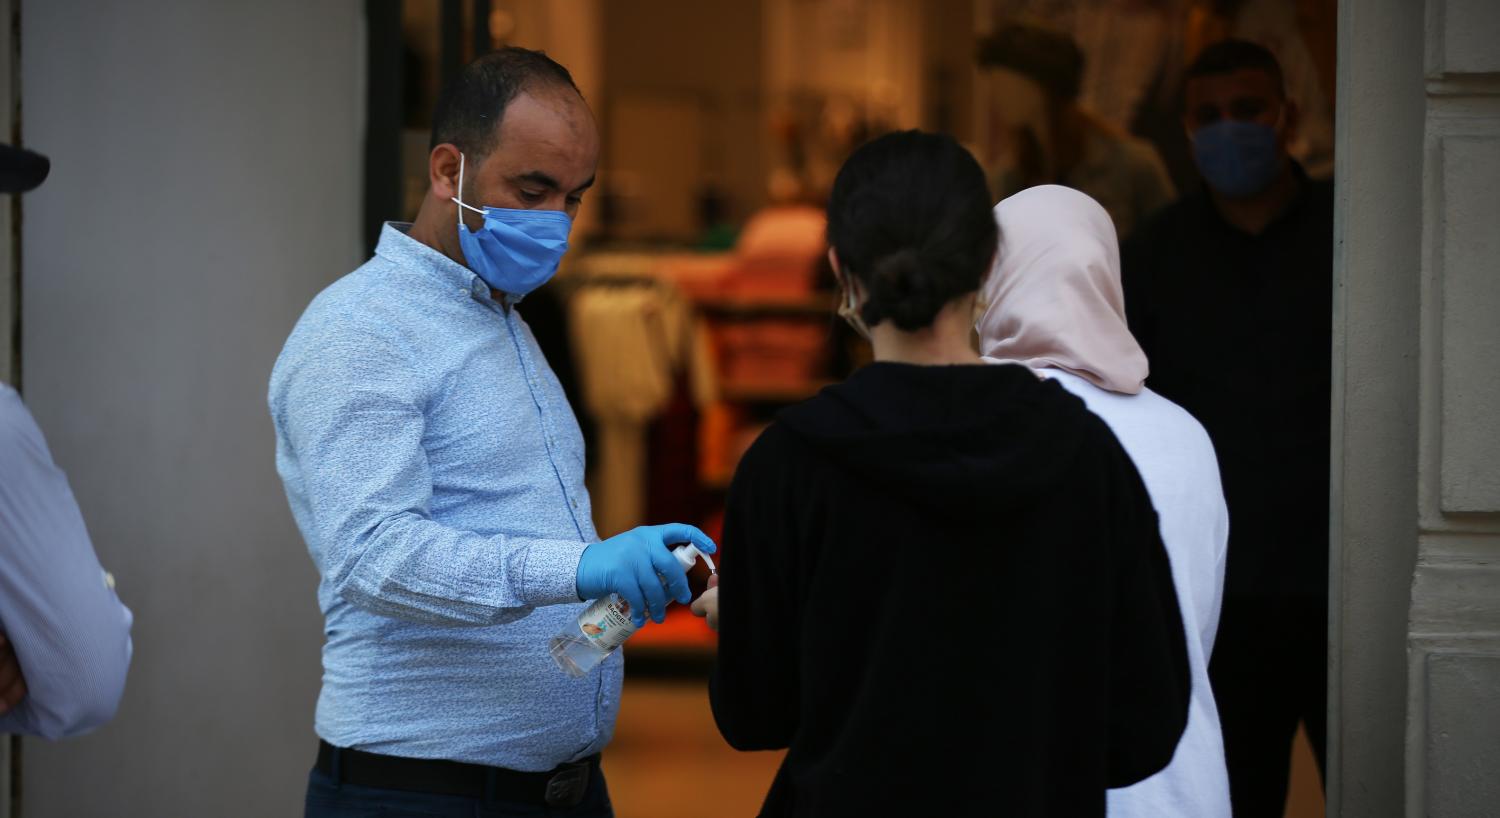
(1149, 678)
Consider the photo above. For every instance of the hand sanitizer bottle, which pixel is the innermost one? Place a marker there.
(605, 625)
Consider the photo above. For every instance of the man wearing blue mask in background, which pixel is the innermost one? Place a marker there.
(436, 471)
(1230, 292)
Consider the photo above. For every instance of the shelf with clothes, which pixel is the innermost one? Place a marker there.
(683, 359)
(645, 373)
(816, 304)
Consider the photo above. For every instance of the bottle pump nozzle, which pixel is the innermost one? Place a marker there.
(688, 554)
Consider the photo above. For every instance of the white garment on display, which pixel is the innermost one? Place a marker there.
(630, 341)
(1126, 48)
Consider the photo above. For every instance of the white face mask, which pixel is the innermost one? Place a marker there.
(849, 311)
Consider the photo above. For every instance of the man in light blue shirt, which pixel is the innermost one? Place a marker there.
(64, 635)
(436, 470)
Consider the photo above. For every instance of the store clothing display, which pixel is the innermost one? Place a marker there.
(674, 489)
(1130, 49)
(778, 252)
(944, 589)
(633, 341)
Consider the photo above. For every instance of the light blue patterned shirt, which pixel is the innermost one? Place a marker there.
(436, 471)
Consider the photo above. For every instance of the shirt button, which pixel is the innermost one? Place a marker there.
(575, 502)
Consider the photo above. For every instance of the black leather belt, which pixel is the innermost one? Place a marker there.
(564, 786)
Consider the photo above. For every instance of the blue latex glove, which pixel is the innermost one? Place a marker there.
(629, 564)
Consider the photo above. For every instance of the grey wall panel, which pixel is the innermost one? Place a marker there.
(1463, 735)
(205, 184)
(1467, 250)
(1463, 34)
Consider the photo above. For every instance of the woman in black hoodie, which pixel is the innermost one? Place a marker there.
(943, 587)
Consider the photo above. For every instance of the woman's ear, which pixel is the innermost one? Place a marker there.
(833, 261)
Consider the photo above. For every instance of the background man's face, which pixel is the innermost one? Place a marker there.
(1246, 95)
(544, 159)
(1018, 101)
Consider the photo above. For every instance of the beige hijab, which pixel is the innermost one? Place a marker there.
(1054, 297)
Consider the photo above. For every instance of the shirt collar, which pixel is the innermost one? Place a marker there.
(402, 250)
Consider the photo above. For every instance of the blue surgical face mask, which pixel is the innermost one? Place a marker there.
(1237, 158)
(514, 251)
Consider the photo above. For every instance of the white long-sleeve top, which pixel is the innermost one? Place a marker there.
(1177, 463)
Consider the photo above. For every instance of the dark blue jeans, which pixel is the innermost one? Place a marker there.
(327, 798)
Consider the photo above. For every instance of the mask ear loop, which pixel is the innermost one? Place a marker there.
(459, 201)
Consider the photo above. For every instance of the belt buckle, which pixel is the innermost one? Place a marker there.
(567, 787)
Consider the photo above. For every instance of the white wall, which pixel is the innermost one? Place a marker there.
(205, 184)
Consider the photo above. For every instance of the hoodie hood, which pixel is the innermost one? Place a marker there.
(950, 438)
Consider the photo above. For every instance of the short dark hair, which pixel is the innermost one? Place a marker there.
(1229, 56)
(909, 217)
(1048, 56)
(471, 107)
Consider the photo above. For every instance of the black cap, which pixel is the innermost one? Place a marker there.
(21, 169)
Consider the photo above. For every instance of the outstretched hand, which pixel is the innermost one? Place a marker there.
(707, 605)
(639, 566)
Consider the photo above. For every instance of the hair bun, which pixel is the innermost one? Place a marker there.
(902, 290)
(910, 220)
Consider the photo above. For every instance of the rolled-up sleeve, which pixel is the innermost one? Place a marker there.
(70, 632)
(350, 419)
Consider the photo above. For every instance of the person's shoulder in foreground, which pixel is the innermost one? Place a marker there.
(66, 635)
